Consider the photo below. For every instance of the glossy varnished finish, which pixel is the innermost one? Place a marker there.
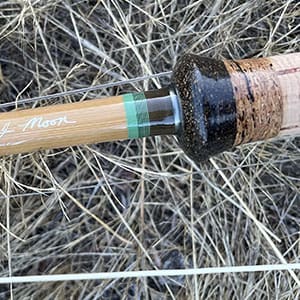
(161, 112)
(208, 106)
(132, 115)
(63, 125)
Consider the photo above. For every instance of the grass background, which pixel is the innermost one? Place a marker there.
(70, 210)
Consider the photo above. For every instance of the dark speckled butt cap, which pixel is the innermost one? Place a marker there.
(208, 106)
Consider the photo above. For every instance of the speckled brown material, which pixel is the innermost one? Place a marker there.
(208, 106)
(258, 99)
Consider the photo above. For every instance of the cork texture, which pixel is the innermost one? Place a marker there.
(287, 69)
(259, 99)
(208, 106)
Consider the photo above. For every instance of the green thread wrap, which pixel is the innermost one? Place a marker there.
(137, 115)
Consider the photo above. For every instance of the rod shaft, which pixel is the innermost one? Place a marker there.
(131, 115)
(62, 125)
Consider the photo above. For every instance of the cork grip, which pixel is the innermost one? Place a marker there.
(228, 103)
(267, 94)
(287, 69)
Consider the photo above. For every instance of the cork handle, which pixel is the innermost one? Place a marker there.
(267, 93)
(233, 102)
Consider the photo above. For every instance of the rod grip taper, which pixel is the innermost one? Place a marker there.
(228, 103)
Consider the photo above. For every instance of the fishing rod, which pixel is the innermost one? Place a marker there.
(211, 106)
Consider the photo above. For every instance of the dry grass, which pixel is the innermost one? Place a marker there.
(140, 205)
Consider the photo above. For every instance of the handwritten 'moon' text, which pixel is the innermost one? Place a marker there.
(42, 123)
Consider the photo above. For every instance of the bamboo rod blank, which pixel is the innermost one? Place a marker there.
(63, 125)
